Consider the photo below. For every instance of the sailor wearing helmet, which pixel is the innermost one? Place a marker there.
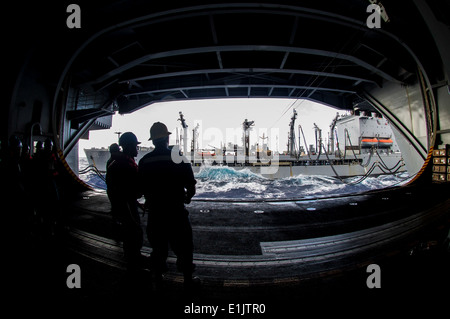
(123, 192)
(167, 186)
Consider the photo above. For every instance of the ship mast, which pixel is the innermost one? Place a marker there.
(194, 145)
(332, 126)
(318, 133)
(247, 126)
(118, 135)
(264, 146)
(184, 125)
(292, 134)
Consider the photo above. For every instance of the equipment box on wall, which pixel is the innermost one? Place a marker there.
(441, 164)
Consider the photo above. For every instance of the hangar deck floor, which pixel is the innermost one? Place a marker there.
(276, 252)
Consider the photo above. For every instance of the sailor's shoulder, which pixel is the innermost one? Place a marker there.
(145, 158)
(154, 157)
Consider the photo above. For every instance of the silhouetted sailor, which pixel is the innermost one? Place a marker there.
(39, 149)
(167, 186)
(46, 190)
(122, 186)
(14, 151)
(12, 174)
(17, 209)
(114, 150)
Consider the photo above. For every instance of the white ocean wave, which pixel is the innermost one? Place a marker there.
(222, 182)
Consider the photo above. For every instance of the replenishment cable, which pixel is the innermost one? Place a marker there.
(383, 167)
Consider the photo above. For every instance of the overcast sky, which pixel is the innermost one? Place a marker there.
(220, 121)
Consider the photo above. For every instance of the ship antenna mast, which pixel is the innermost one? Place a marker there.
(194, 145)
(247, 125)
(184, 125)
(292, 134)
(332, 126)
(118, 135)
(264, 137)
(318, 133)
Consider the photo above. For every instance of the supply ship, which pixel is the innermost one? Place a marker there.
(359, 144)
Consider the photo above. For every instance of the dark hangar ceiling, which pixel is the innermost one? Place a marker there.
(318, 50)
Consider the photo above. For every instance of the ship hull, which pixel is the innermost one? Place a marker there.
(363, 165)
(284, 166)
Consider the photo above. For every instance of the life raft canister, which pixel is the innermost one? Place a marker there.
(380, 143)
(385, 143)
(368, 142)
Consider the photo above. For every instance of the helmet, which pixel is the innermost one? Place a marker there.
(48, 144)
(158, 130)
(114, 148)
(128, 138)
(15, 142)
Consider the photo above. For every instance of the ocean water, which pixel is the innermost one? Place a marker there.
(215, 182)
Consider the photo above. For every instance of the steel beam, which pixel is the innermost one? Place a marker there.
(248, 86)
(77, 135)
(244, 48)
(249, 70)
